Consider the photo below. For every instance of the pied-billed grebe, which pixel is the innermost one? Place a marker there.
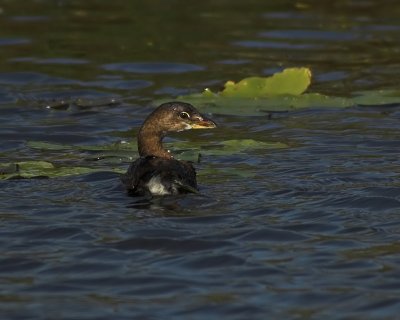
(156, 172)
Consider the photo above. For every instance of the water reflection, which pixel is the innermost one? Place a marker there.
(175, 206)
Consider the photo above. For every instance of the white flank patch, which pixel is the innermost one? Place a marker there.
(156, 187)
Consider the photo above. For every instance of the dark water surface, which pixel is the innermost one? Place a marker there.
(309, 231)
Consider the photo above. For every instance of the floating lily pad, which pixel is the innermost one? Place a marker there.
(376, 97)
(284, 91)
(291, 81)
(256, 106)
(41, 169)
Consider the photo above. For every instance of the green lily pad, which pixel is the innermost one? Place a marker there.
(256, 106)
(291, 81)
(183, 150)
(256, 95)
(117, 146)
(41, 169)
(47, 146)
(215, 174)
(245, 145)
(376, 97)
(26, 169)
(110, 153)
(190, 151)
(284, 91)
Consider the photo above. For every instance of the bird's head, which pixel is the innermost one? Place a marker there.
(178, 116)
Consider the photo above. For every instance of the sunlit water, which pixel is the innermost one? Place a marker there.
(310, 231)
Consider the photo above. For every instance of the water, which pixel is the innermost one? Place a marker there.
(309, 231)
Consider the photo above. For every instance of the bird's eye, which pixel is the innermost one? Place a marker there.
(184, 115)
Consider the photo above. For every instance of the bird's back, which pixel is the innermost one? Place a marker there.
(160, 176)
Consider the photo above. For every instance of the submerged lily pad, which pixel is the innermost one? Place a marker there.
(191, 151)
(117, 146)
(47, 146)
(215, 174)
(113, 153)
(245, 145)
(121, 152)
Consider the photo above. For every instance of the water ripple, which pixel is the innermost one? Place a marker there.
(13, 42)
(153, 67)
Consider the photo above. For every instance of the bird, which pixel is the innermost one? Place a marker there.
(156, 172)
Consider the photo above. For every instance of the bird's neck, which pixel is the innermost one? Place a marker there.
(150, 142)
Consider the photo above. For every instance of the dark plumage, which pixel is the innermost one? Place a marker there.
(159, 176)
(156, 172)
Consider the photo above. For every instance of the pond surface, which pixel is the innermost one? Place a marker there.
(299, 220)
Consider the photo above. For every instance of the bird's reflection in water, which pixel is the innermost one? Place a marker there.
(175, 205)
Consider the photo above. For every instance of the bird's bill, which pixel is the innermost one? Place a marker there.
(203, 123)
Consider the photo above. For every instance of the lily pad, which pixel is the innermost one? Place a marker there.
(291, 81)
(41, 169)
(284, 91)
(245, 145)
(376, 97)
(47, 146)
(190, 151)
(125, 151)
(112, 153)
(117, 146)
(213, 174)
(26, 169)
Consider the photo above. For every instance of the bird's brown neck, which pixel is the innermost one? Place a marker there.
(150, 142)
